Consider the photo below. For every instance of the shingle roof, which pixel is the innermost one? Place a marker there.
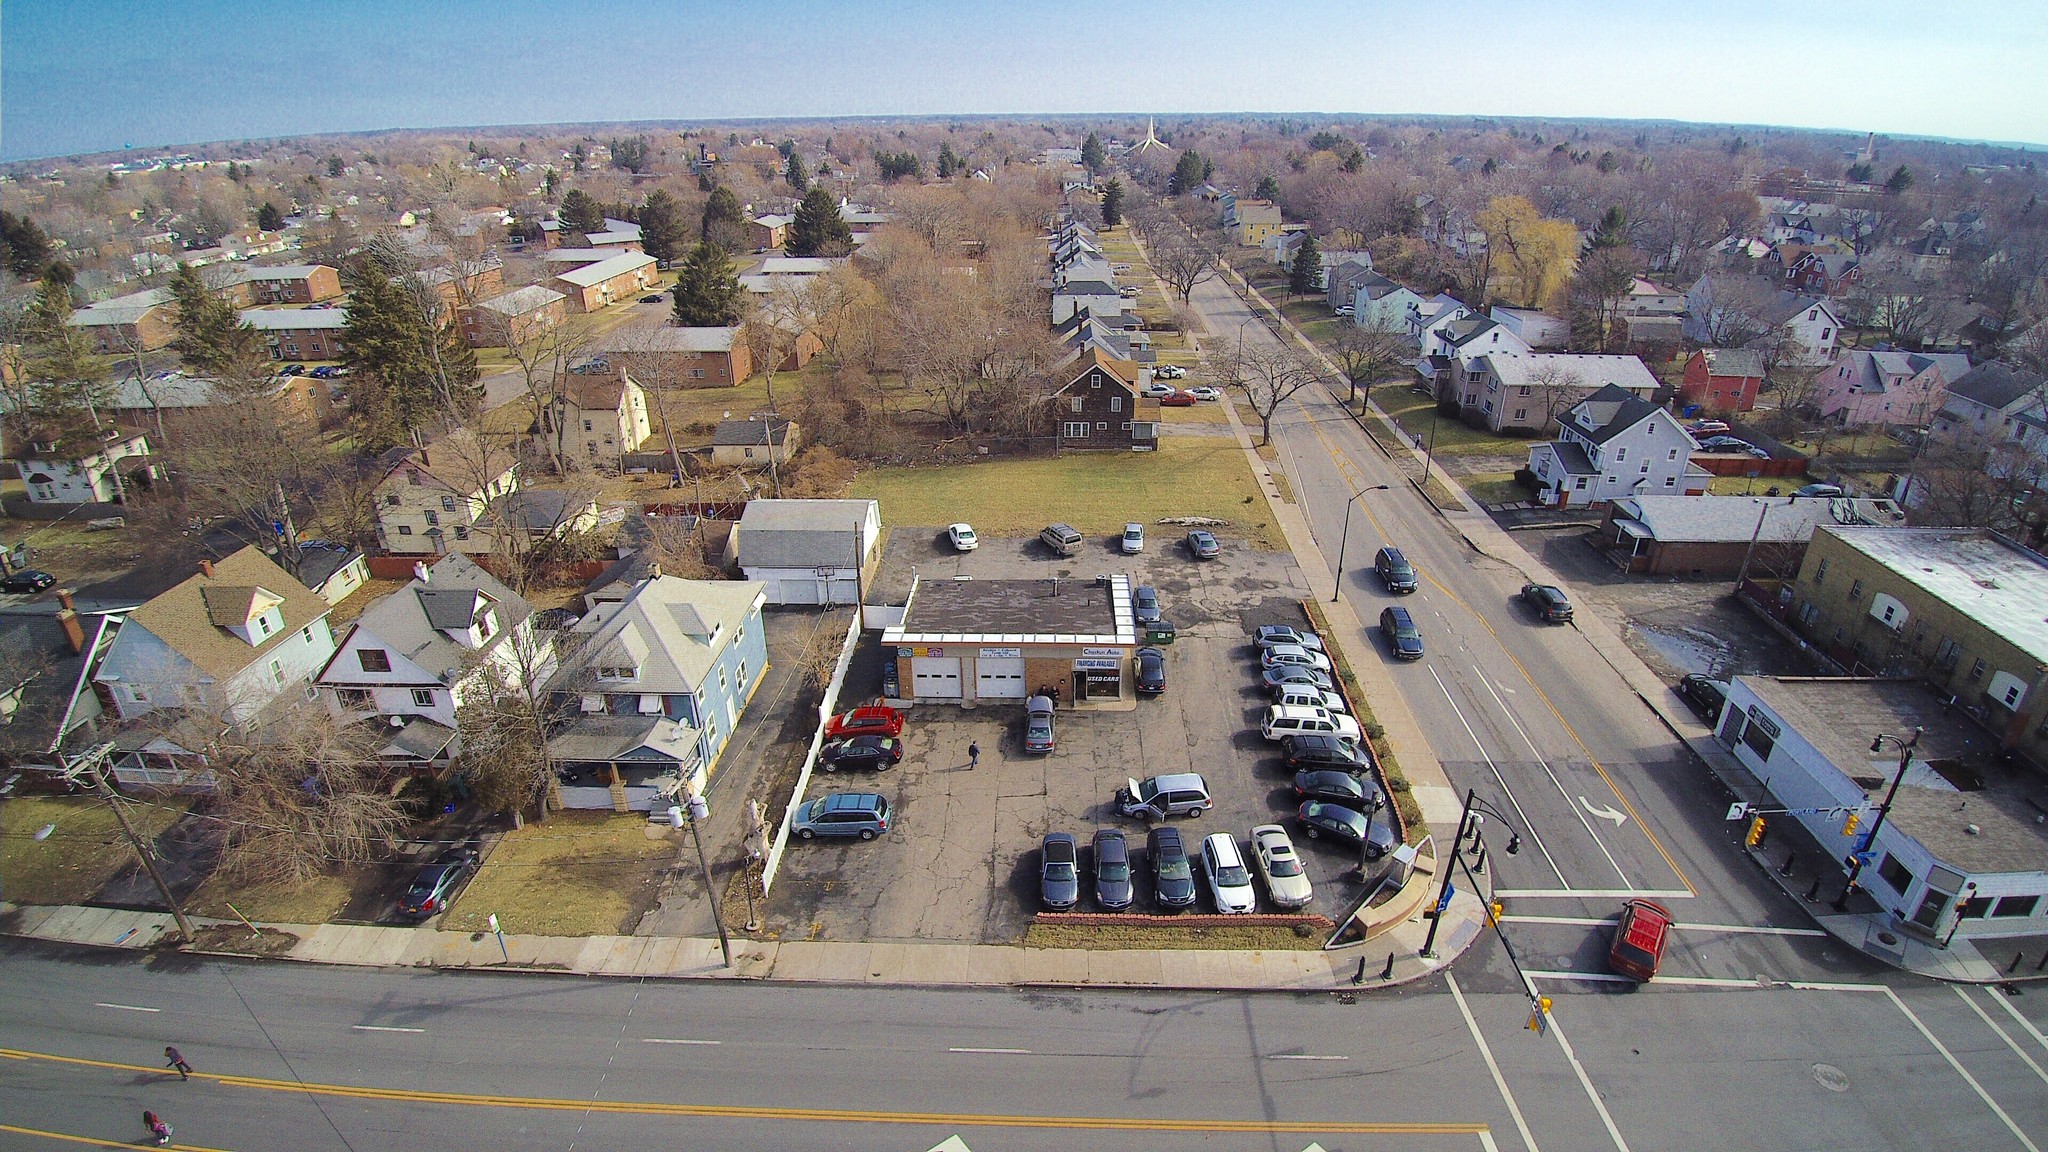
(1608, 413)
(747, 433)
(1573, 458)
(1996, 385)
(673, 339)
(1872, 371)
(663, 627)
(608, 739)
(184, 617)
(413, 620)
(604, 270)
(520, 301)
(1554, 369)
(1747, 363)
(120, 310)
(295, 319)
(800, 533)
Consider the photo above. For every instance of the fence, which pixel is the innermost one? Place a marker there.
(826, 707)
(1744, 465)
(704, 509)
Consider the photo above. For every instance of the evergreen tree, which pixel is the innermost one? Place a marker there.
(897, 165)
(1187, 173)
(950, 163)
(708, 292)
(581, 211)
(1112, 203)
(1307, 267)
(210, 333)
(724, 222)
(1093, 157)
(662, 231)
(334, 167)
(66, 386)
(818, 229)
(409, 371)
(1267, 189)
(1612, 231)
(794, 174)
(1208, 168)
(24, 249)
(268, 218)
(1900, 180)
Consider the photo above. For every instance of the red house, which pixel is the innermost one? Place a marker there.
(1825, 273)
(1723, 379)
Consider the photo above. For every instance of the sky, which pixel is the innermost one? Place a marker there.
(89, 75)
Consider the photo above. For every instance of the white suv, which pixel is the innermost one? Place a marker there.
(1230, 882)
(1284, 720)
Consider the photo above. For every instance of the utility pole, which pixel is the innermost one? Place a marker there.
(1743, 571)
(694, 809)
(99, 780)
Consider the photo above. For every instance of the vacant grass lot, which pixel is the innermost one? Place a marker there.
(576, 874)
(314, 902)
(80, 855)
(1453, 438)
(1096, 492)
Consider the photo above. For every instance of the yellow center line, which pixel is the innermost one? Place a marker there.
(818, 1115)
(94, 1141)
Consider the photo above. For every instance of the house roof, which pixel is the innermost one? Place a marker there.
(1775, 308)
(542, 510)
(775, 220)
(1746, 363)
(520, 301)
(576, 256)
(191, 618)
(296, 319)
(1996, 385)
(1462, 331)
(36, 659)
(1123, 372)
(669, 628)
(603, 270)
(1873, 371)
(1085, 288)
(747, 433)
(593, 392)
(1572, 458)
(417, 738)
(963, 611)
(1528, 369)
(669, 338)
(609, 739)
(801, 533)
(1734, 519)
(798, 265)
(120, 310)
(1608, 413)
(415, 620)
(458, 462)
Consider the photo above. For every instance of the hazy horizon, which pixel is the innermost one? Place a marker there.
(97, 75)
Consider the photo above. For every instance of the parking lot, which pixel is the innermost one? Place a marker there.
(960, 860)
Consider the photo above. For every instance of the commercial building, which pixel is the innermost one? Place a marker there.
(965, 641)
(1714, 536)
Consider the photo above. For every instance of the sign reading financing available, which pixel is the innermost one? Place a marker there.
(1001, 654)
(1110, 665)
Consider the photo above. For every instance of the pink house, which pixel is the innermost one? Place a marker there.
(1888, 389)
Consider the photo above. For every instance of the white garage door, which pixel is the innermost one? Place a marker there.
(999, 678)
(797, 590)
(935, 677)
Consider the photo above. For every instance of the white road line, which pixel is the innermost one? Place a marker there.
(382, 1028)
(1679, 981)
(1608, 922)
(1586, 1081)
(993, 1051)
(1495, 769)
(2006, 1003)
(1486, 1143)
(661, 1040)
(1592, 893)
(2002, 1034)
(1962, 1071)
(1544, 763)
(1294, 1056)
(126, 1007)
(1499, 1082)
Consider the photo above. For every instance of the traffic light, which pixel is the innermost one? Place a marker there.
(1849, 824)
(1756, 832)
(1539, 1014)
(1493, 913)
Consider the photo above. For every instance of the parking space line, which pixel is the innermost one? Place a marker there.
(382, 1028)
(1545, 764)
(1495, 769)
(2002, 1033)
(993, 1051)
(1499, 1081)
(126, 1007)
(2025, 1023)
(661, 1040)
(1956, 1064)
(1609, 921)
(1300, 1056)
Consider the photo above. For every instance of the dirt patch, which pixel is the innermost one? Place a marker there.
(236, 939)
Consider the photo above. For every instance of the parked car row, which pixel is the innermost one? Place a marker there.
(1109, 871)
(869, 738)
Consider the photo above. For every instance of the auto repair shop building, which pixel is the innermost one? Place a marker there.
(967, 641)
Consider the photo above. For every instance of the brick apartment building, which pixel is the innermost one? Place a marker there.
(606, 282)
(300, 333)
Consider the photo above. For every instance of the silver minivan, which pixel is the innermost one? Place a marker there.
(1158, 797)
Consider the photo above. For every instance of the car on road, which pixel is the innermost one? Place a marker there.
(1059, 871)
(1151, 671)
(861, 814)
(1173, 878)
(1145, 604)
(1294, 655)
(1159, 797)
(1133, 541)
(1178, 399)
(1170, 372)
(1703, 695)
(875, 720)
(1205, 393)
(1403, 638)
(1342, 788)
(1325, 750)
(1273, 678)
(1038, 724)
(1112, 870)
(292, 370)
(1270, 635)
(27, 580)
(1639, 938)
(653, 298)
(962, 537)
(1157, 389)
(1202, 545)
(1396, 574)
(876, 753)
(1280, 867)
(1230, 882)
(434, 886)
(1348, 825)
(1549, 602)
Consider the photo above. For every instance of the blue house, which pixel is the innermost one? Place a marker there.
(656, 675)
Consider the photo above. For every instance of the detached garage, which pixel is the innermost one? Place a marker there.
(970, 641)
(808, 551)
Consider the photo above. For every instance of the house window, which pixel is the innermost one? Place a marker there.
(1759, 741)
(1976, 671)
(1820, 572)
(1808, 613)
(1116, 403)
(1671, 454)
(1076, 430)
(423, 697)
(277, 672)
(307, 634)
(1671, 481)
(263, 624)
(405, 529)
(1102, 425)
(1521, 414)
(462, 531)
(447, 503)
(1620, 454)
(354, 699)
(721, 680)
(2015, 906)
(1895, 874)
(374, 659)
(586, 426)
(1127, 425)
(1074, 404)
(1581, 484)
(1856, 591)
(433, 518)
(391, 500)
(741, 676)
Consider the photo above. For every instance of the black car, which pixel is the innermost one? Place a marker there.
(1059, 871)
(879, 753)
(1112, 870)
(27, 580)
(1332, 787)
(1396, 574)
(1173, 878)
(1151, 671)
(655, 298)
(434, 885)
(1145, 604)
(1347, 825)
(1319, 750)
(1404, 639)
(1549, 601)
(1704, 696)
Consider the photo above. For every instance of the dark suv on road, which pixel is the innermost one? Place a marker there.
(1549, 602)
(1395, 572)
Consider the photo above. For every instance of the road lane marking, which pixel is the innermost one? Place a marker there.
(1609, 922)
(126, 1007)
(2006, 1003)
(68, 1138)
(1298, 1056)
(993, 1051)
(1499, 1081)
(660, 1040)
(1495, 769)
(2002, 1033)
(1603, 812)
(819, 1115)
(1585, 1081)
(1544, 763)
(1593, 893)
(382, 1028)
(1961, 1071)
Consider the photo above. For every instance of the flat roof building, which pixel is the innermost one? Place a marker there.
(963, 641)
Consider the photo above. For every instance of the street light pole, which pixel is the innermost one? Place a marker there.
(1906, 747)
(1450, 863)
(1337, 583)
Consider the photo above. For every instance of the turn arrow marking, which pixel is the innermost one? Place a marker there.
(1603, 812)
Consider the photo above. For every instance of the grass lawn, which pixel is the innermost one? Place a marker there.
(1096, 492)
(576, 874)
(1228, 937)
(1453, 438)
(82, 854)
(1206, 412)
(315, 902)
(1744, 486)
(1493, 487)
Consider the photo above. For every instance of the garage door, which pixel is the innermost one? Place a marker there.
(935, 677)
(999, 678)
(797, 590)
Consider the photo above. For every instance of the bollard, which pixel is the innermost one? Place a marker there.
(1359, 977)
(2016, 958)
(1813, 893)
(1387, 973)
(1791, 858)
(2043, 963)
(1479, 865)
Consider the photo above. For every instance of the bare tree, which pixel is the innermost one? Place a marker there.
(1555, 388)
(1970, 480)
(1366, 352)
(1182, 263)
(504, 722)
(543, 353)
(1266, 375)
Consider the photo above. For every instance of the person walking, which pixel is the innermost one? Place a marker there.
(176, 1059)
(973, 754)
(158, 1130)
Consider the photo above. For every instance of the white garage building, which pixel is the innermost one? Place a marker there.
(969, 641)
(809, 551)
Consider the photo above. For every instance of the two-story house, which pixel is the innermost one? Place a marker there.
(430, 498)
(226, 642)
(1458, 348)
(1989, 399)
(1249, 222)
(1752, 311)
(1723, 379)
(1380, 303)
(1888, 389)
(1614, 444)
(1343, 278)
(454, 633)
(1525, 391)
(603, 416)
(83, 472)
(1100, 408)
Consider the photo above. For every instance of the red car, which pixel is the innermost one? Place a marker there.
(1177, 400)
(871, 721)
(1639, 938)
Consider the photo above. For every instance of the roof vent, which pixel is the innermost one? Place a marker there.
(1986, 582)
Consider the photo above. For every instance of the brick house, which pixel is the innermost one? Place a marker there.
(430, 497)
(140, 321)
(514, 316)
(1723, 379)
(458, 283)
(1100, 408)
(683, 357)
(245, 286)
(770, 231)
(300, 333)
(606, 282)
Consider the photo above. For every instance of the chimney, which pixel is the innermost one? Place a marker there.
(654, 571)
(64, 599)
(73, 631)
(419, 571)
(206, 569)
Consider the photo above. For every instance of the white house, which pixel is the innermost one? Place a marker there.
(605, 416)
(431, 498)
(1527, 390)
(1451, 353)
(1993, 400)
(808, 551)
(1429, 316)
(55, 476)
(1731, 310)
(1379, 302)
(1614, 444)
(1536, 329)
(1099, 297)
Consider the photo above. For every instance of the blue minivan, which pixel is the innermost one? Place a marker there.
(862, 814)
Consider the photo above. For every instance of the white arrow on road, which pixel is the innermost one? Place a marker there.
(1604, 813)
(951, 1144)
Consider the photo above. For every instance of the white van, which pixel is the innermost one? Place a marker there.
(1308, 696)
(1230, 882)
(1284, 720)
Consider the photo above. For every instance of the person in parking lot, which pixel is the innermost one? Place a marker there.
(973, 754)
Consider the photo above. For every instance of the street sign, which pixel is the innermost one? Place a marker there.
(1737, 811)
(1444, 901)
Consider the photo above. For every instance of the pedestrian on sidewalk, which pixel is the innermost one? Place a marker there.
(973, 754)
(176, 1059)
